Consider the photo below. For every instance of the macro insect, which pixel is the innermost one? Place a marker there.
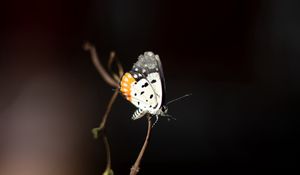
(144, 86)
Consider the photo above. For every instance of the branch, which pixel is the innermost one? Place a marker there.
(91, 48)
(102, 124)
(112, 80)
(136, 166)
(108, 170)
(112, 58)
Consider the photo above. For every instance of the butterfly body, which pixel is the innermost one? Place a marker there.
(144, 86)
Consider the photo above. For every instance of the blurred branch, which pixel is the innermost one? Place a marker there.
(102, 124)
(112, 80)
(94, 56)
(108, 170)
(112, 57)
(136, 166)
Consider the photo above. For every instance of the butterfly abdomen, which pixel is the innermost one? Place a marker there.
(138, 114)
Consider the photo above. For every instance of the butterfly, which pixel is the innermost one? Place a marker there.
(144, 86)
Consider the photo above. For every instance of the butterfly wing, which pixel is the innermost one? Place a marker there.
(148, 67)
(142, 86)
(140, 93)
(162, 77)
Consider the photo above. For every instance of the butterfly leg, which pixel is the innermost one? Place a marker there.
(156, 119)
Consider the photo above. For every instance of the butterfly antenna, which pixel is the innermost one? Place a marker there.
(170, 117)
(179, 98)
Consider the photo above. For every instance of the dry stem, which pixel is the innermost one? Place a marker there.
(136, 166)
(108, 169)
(113, 81)
(94, 56)
(102, 124)
(110, 79)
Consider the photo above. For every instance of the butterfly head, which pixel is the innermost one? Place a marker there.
(163, 111)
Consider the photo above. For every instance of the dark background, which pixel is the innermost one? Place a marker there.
(239, 59)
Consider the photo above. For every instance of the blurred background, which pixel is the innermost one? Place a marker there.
(239, 59)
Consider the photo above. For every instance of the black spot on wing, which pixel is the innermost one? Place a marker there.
(142, 92)
(151, 96)
(145, 85)
(153, 81)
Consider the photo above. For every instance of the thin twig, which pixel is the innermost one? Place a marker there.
(136, 166)
(91, 48)
(112, 58)
(104, 119)
(112, 80)
(108, 170)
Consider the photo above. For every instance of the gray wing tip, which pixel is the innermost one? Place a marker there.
(148, 53)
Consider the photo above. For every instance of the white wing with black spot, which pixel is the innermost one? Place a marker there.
(147, 95)
(144, 85)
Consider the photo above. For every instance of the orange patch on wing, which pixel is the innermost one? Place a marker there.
(126, 83)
